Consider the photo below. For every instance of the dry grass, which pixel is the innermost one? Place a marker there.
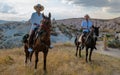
(61, 61)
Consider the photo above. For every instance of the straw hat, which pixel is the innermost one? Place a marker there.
(39, 6)
(87, 16)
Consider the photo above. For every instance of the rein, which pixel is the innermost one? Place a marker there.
(45, 27)
(44, 43)
(89, 34)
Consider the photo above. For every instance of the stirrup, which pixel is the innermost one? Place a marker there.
(30, 49)
(82, 47)
(50, 46)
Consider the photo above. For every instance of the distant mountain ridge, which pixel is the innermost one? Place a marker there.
(3, 21)
(104, 24)
(11, 32)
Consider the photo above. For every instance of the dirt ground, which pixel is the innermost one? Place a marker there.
(109, 51)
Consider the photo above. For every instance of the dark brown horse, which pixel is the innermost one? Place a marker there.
(41, 42)
(90, 42)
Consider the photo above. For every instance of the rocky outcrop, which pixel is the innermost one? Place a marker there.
(112, 25)
(11, 33)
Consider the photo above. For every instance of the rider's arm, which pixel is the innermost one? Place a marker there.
(32, 19)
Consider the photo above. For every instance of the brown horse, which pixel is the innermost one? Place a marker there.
(41, 42)
(90, 42)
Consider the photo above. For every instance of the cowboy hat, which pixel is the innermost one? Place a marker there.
(39, 6)
(87, 16)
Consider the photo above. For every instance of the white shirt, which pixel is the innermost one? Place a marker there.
(86, 24)
(35, 18)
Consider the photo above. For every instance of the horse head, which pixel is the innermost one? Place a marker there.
(46, 20)
(96, 31)
(45, 26)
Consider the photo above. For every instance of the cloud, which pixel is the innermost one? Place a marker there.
(7, 8)
(107, 5)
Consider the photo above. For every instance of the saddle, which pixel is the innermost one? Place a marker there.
(82, 37)
(85, 38)
(37, 32)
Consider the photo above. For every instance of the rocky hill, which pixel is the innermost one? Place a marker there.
(104, 24)
(11, 33)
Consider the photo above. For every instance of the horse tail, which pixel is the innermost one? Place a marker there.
(76, 40)
(25, 37)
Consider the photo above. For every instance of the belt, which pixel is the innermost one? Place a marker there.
(36, 24)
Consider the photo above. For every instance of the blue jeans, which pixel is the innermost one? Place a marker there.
(85, 33)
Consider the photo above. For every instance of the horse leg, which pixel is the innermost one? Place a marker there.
(26, 54)
(77, 47)
(36, 60)
(86, 54)
(90, 54)
(45, 57)
(76, 51)
(31, 53)
(80, 52)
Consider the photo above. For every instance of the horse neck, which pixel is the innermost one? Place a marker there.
(90, 33)
(89, 38)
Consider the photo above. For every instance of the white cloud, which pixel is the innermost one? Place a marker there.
(7, 8)
(22, 9)
(111, 4)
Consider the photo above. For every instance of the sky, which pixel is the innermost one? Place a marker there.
(18, 10)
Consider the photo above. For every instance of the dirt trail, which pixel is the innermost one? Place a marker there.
(110, 51)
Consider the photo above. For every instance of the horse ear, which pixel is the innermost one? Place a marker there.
(98, 27)
(43, 15)
(49, 15)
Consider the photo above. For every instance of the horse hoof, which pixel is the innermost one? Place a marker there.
(86, 61)
(25, 64)
(35, 70)
(30, 64)
(76, 55)
(90, 60)
(45, 72)
(80, 56)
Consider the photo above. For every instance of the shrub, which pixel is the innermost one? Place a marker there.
(114, 43)
(7, 60)
(68, 44)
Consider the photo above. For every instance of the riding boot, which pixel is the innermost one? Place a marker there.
(30, 42)
(50, 46)
(83, 41)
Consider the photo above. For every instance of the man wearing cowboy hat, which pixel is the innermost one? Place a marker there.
(35, 20)
(86, 25)
(86, 28)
